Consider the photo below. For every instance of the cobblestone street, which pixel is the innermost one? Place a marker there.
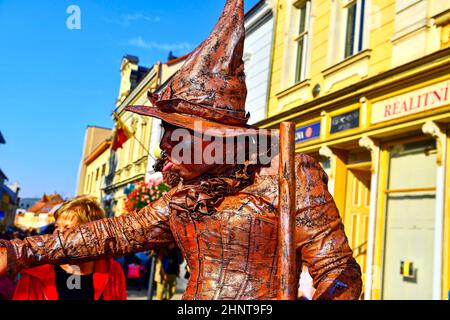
(142, 294)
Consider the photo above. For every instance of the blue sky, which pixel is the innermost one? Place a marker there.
(54, 82)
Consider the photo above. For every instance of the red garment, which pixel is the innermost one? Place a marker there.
(39, 283)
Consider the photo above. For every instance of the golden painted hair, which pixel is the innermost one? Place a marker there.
(85, 208)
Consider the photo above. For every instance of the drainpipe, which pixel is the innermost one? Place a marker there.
(273, 6)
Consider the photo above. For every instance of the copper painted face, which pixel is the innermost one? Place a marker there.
(175, 165)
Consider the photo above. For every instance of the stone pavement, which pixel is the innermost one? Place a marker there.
(142, 295)
(133, 294)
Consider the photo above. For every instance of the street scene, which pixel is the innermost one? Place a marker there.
(115, 136)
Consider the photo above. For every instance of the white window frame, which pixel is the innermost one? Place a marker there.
(358, 44)
(304, 36)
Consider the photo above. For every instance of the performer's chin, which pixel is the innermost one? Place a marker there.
(171, 178)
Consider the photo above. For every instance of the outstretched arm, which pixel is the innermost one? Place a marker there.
(134, 232)
(321, 240)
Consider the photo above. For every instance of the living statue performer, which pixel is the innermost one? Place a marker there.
(223, 217)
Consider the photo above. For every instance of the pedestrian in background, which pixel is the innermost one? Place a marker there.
(144, 258)
(167, 271)
(99, 280)
(135, 274)
(7, 286)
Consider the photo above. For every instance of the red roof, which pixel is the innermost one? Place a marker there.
(46, 204)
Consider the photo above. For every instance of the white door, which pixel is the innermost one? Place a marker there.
(409, 239)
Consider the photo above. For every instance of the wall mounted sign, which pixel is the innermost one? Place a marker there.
(345, 121)
(2, 215)
(427, 98)
(308, 132)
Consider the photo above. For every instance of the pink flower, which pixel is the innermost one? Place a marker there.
(156, 178)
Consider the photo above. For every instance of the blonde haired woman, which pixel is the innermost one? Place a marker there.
(99, 280)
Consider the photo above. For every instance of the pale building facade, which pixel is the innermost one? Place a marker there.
(259, 26)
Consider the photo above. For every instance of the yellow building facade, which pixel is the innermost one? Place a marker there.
(97, 168)
(129, 164)
(367, 83)
(93, 138)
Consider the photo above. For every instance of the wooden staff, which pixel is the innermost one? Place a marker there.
(288, 286)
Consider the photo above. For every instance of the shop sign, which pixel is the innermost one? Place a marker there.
(346, 121)
(308, 132)
(427, 98)
(2, 215)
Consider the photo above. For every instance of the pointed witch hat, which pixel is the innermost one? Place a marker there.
(210, 87)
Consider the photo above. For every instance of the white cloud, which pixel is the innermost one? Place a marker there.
(125, 20)
(141, 43)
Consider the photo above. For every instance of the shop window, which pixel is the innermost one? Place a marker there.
(326, 164)
(88, 183)
(92, 182)
(354, 30)
(301, 39)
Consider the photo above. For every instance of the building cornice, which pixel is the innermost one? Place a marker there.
(254, 19)
(136, 91)
(298, 86)
(105, 145)
(347, 62)
(255, 8)
(412, 71)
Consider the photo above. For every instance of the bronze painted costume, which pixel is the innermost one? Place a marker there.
(231, 248)
(231, 253)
